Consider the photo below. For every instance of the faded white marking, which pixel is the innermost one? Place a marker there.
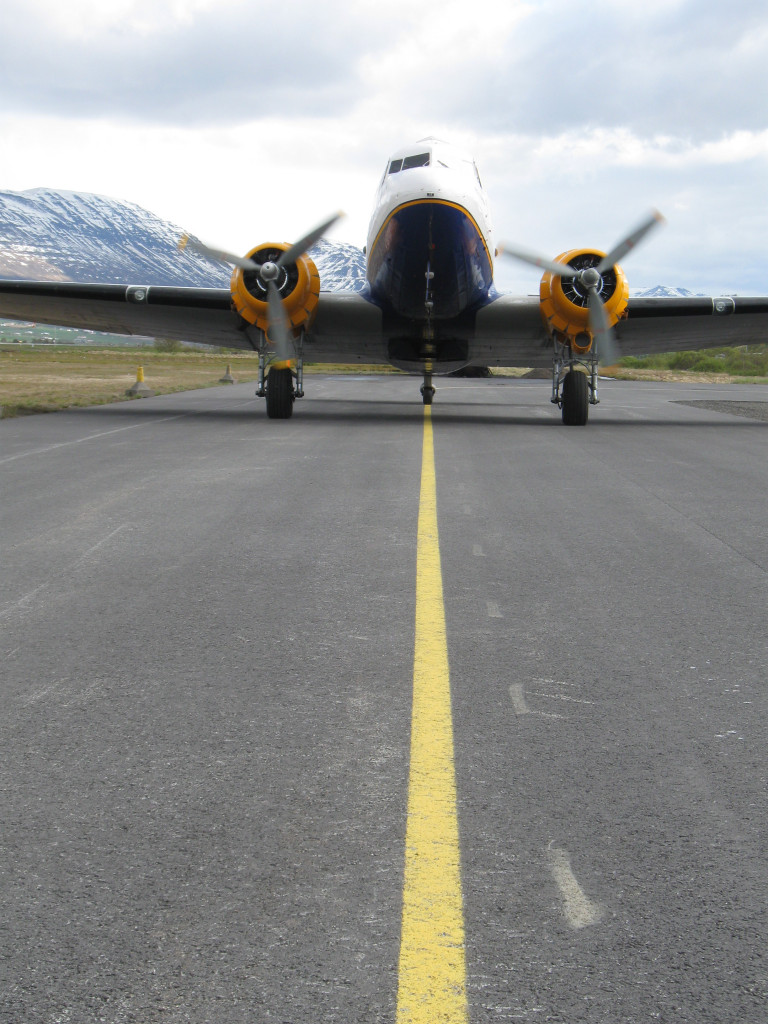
(27, 599)
(517, 693)
(579, 910)
(494, 612)
(90, 437)
(556, 696)
(519, 705)
(37, 695)
(561, 696)
(478, 551)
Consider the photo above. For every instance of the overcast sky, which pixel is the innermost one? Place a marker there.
(246, 121)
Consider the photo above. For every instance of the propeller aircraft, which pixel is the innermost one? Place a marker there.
(429, 305)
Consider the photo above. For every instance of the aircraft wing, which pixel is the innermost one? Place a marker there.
(193, 314)
(510, 332)
(347, 328)
(679, 324)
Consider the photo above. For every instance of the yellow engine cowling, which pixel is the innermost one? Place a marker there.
(298, 285)
(565, 306)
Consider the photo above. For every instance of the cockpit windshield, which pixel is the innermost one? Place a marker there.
(406, 163)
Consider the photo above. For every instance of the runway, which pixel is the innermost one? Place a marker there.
(208, 626)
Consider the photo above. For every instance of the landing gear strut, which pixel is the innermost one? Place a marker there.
(428, 331)
(277, 385)
(574, 383)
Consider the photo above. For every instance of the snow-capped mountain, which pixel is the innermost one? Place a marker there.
(51, 235)
(76, 236)
(341, 266)
(663, 291)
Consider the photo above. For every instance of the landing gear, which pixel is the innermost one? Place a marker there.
(575, 404)
(280, 393)
(428, 331)
(573, 389)
(427, 394)
(427, 390)
(277, 385)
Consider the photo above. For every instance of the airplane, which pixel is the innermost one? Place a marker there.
(429, 305)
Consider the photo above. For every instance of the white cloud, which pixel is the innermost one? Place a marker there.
(226, 64)
(242, 119)
(90, 19)
(597, 148)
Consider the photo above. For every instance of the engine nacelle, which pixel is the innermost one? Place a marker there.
(298, 284)
(564, 302)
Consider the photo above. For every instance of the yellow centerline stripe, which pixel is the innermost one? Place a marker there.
(432, 974)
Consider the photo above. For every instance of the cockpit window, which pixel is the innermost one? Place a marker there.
(420, 160)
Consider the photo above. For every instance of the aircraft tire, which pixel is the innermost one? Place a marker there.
(427, 394)
(280, 394)
(575, 399)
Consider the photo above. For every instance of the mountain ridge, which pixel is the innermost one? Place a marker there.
(59, 235)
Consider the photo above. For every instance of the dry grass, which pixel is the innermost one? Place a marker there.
(678, 376)
(43, 379)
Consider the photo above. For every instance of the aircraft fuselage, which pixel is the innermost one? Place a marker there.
(430, 250)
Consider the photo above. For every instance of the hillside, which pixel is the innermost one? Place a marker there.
(54, 235)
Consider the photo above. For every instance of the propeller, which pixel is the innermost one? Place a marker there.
(278, 330)
(590, 280)
(195, 245)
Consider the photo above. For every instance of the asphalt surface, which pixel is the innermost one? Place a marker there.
(207, 639)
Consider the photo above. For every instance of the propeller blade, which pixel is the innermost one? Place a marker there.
(620, 251)
(598, 318)
(278, 332)
(300, 247)
(187, 242)
(600, 327)
(561, 269)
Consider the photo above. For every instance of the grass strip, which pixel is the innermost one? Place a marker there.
(40, 378)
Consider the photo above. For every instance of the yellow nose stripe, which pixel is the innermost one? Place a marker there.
(432, 974)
